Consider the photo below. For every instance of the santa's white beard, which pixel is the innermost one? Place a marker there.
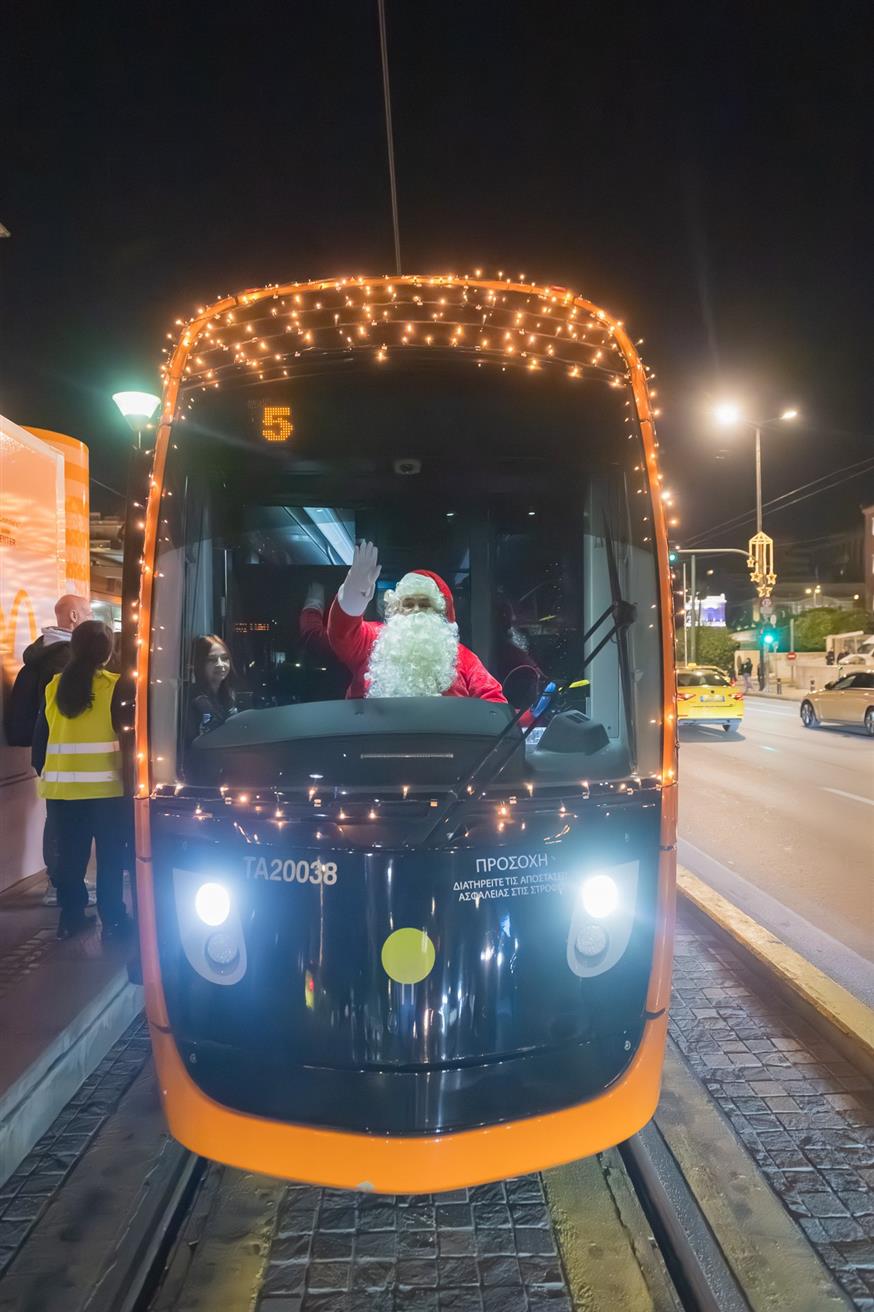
(413, 656)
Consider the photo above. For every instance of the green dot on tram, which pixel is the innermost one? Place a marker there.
(408, 956)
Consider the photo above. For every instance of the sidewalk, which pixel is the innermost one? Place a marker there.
(787, 695)
(62, 1006)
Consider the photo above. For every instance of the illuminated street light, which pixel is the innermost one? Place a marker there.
(137, 408)
(727, 413)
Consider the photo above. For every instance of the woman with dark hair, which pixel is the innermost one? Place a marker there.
(212, 696)
(81, 782)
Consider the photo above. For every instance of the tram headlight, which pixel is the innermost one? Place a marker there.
(212, 902)
(600, 896)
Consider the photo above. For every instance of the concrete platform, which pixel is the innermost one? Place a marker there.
(62, 1006)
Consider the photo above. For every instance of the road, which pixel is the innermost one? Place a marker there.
(781, 819)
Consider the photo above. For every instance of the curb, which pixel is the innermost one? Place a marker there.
(830, 1001)
(29, 1106)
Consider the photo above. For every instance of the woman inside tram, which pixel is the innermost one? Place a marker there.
(213, 700)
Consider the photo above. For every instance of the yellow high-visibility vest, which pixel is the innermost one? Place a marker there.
(83, 758)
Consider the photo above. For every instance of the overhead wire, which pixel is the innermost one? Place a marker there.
(846, 471)
(389, 136)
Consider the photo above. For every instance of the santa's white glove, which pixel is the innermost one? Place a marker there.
(360, 583)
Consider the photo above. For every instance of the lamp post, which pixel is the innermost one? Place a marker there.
(728, 414)
(137, 408)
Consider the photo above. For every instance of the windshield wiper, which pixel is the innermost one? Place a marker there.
(624, 613)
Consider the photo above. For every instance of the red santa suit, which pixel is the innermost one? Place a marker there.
(353, 638)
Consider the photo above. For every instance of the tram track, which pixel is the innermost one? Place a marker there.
(187, 1233)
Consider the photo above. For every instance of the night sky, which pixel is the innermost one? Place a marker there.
(699, 169)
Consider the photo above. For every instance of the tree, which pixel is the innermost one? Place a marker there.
(813, 626)
(714, 646)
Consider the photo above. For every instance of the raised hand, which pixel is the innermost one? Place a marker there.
(359, 584)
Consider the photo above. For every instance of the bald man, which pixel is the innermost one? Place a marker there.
(43, 659)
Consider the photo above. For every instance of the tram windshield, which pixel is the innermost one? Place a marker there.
(527, 496)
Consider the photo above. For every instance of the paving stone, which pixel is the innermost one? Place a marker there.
(525, 1189)
(326, 1245)
(460, 1300)
(541, 1271)
(455, 1243)
(373, 1274)
(493, 1243)
(416, 1217)
(330, 1218)
(457, 1271)
(548, 1300)
(525, 1214)
(499, 1271)
(318, 1302)
(534, 1241)
(416, 1300)
(381, 1243)
(417, 1272)
(284, 1278)
(505, 1298)
(296, 1248)
(456, 1215)
(328, 1275)
(371, 1300)
(489, 1216)
(383, 1217)
(843, 1228)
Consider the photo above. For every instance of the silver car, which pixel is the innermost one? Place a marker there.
(849, 700)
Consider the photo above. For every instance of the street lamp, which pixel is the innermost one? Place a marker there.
(137, 409)
(728, 414)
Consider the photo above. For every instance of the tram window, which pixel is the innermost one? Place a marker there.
(521, 519)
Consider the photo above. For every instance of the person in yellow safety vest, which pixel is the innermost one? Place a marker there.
(82, 783)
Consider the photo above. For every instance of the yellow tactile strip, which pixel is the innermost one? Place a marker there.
(838, 1006)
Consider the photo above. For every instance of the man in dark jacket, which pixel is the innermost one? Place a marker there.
(43, 659)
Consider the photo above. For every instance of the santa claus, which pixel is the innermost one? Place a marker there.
(416, 652)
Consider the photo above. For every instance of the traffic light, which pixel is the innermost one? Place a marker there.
(770, 639)
(672, 557)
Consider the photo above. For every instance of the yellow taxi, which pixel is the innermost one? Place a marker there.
(706, 695)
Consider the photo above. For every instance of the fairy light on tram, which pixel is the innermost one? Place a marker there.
(405, 751)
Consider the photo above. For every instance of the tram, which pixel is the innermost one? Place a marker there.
(391, 940)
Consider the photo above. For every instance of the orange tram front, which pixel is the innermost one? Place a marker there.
(405, 943)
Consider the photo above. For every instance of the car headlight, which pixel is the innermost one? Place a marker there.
(600, 896)
(212, 902)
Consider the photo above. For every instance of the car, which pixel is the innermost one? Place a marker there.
(706, 695)
(849, 700)
(856, 659)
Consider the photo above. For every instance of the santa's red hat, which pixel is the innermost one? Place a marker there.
(412, 583)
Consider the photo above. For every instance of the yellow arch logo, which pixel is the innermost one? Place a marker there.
(20, 601)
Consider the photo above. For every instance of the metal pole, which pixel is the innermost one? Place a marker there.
(685, 618)
(758, 479)
(694, 630)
